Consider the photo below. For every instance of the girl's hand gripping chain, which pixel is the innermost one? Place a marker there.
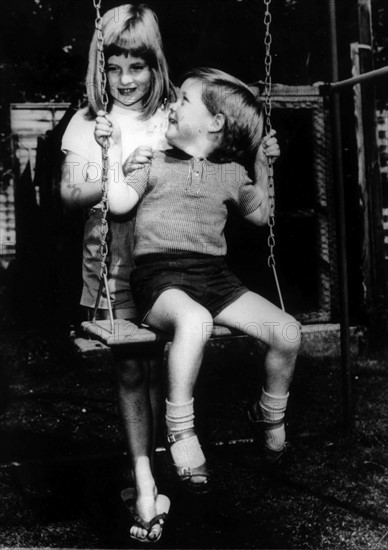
(122, 198)
(106, 127)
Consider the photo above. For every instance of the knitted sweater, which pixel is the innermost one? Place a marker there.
(184, 201)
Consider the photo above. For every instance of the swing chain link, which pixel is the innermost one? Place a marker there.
(105, 146)
(268, 127)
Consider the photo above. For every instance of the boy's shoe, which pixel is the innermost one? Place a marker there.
(185, 474)
(259, 426)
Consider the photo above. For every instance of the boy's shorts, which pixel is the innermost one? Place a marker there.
(206, 279)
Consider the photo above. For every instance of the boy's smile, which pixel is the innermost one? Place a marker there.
(189, 119)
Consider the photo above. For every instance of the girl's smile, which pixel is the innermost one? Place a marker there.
(129, 80)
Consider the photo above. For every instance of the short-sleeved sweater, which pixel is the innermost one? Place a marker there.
(184, 202)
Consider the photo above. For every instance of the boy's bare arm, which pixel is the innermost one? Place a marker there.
(261, 214)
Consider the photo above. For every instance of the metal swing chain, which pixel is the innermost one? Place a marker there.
(268, 128)
(104, 173)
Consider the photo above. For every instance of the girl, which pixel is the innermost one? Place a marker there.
(139, 91)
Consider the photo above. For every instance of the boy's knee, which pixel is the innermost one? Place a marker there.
(197, 324)
(288, 336)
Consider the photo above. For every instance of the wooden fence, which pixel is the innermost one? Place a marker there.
(29, 121)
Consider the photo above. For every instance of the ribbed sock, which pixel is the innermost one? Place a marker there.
(273, 408)
(187, 452)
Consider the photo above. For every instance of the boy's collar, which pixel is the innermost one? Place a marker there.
(179, 154)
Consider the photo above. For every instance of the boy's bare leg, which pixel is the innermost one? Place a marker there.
(174, 311)
(261, 319)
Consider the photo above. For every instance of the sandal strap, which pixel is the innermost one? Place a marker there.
(147, 525)
(267, 424)
(140, 522)
(188, 472)
(180, 436)
(185, 473)
(157, 519)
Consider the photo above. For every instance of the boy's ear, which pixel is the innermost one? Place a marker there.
(217, 123)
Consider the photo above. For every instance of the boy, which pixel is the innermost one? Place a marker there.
(181, 281)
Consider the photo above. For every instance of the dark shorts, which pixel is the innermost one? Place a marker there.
(206, 279)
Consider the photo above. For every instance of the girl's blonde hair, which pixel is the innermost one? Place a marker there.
(134, 30)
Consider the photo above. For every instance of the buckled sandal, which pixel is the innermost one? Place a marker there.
(185, 474)
(162, 504)
(259, 426)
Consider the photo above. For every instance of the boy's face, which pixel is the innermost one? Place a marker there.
(189, 118)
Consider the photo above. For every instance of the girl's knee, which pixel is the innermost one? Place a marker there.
(156, 371)
(132, 373)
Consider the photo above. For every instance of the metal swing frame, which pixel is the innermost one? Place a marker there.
(118, 332)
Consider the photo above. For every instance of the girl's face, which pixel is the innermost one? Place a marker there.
(129, 80)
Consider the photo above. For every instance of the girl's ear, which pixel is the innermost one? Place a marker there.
(217, 123)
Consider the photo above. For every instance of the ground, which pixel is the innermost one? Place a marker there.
(63, 461)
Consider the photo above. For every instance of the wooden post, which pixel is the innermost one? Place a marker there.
(376, 291)
(341, 227)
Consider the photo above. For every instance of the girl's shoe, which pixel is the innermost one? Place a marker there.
(162, 504)
(186, 473)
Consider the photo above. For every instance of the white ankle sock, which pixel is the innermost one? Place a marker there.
(273, 408)
(186, 452)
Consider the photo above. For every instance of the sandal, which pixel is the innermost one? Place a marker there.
(162, 504)
(259, 426)
(185, 474)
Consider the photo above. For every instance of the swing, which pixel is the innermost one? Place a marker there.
(120, 332)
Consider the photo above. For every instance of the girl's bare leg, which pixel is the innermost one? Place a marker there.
(137, 413)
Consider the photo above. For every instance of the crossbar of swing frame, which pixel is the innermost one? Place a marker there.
(359, 79)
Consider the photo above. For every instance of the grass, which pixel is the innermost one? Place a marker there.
(62, 454)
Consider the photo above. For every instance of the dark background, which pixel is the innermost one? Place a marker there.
(44, 43)
(44, 48)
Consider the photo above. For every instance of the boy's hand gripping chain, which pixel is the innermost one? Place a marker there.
(104, 174)
(268, 127)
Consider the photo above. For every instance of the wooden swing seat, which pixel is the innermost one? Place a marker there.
(97, 341)
(129, 333)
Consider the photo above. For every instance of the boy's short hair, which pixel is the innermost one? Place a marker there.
(243, 129)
